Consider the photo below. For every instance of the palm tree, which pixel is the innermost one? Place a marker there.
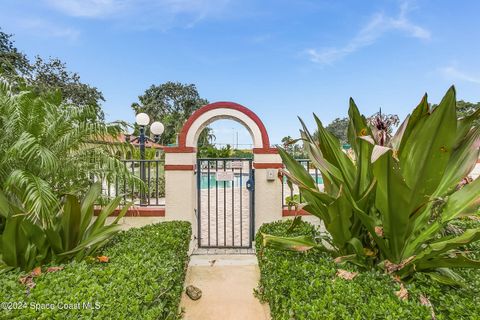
(49, 148)
(207, 137)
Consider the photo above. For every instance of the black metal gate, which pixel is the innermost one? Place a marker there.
(225, 211)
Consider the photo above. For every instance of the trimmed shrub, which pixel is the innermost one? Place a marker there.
(304, 285)
(143, 279)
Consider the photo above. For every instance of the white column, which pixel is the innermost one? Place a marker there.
(268, 193)
(180, 188)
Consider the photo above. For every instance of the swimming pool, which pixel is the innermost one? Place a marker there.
(238, 179)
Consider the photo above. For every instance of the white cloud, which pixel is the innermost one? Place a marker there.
(378, 25)
(88, 8)
(46, 28)
(142, 13)
(453, 73)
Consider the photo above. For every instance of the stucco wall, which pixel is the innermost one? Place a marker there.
(268, 194)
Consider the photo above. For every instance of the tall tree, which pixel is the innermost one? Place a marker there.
(44, 76)
(170, 103)
(465, 108)
(338, 128)
(287, 143)
(53, 75)
(13, 63)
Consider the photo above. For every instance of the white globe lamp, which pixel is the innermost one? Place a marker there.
(142, 119)
(157, 128)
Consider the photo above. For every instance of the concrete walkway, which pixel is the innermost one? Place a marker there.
(227, 283)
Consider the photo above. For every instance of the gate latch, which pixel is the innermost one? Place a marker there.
(250, 185)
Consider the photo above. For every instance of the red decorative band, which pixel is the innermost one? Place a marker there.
(182, 137)
(138, 212)
(260, 165)
(179, 167)
(265, 151)
(180, 150)
(291, 213)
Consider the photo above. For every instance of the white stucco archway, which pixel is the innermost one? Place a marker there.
(180, 165)
(201, 118)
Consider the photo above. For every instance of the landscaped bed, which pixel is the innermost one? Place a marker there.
(142, 279)
(305, 285)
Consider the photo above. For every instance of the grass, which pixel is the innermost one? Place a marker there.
(142, 280)
(305, 286)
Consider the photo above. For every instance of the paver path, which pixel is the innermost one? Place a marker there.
(225, 217)
(227, 288)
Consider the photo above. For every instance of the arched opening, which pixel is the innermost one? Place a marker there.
(225, 138)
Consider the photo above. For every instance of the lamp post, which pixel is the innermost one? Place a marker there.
(157, 128)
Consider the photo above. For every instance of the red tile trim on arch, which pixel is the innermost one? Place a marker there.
(182, 138)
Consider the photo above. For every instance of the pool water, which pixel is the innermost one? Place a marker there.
(237, 180)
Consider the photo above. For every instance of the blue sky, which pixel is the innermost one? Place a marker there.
(280, 58)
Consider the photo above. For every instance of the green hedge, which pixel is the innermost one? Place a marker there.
(142, 280)
(305, 286)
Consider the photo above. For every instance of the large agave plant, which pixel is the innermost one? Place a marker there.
(73, 233)
(386, 205)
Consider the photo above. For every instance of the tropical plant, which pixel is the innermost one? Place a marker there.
(213, 152)
(382, 126)
(242, 153)
(23, 243)
(206, 138)
(49, 148)
(387, 207)
(73, 231)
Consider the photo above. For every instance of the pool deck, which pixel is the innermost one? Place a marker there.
(227, 213)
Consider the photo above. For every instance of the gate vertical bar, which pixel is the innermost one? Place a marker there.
(133, 184)
(156, 183)
(252, 206)
(208, 199)
(147, 192)
(125, 184)
(233, 206)
(216, 204)
(199, 203)
(224, 206)
(241, 208)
